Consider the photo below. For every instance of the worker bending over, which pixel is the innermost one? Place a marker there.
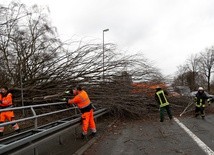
(83, 102)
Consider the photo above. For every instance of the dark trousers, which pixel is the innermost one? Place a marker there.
(162, 110)
(199, 110)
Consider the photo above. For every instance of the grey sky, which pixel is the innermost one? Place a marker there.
(167, 32)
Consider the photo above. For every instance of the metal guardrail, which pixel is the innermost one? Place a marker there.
(14, 141)
(35, 116)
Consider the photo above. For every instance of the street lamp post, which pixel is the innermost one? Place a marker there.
(21, 85)
(104, 50)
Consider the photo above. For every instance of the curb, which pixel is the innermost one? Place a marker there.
(90, 142)
(86, 146)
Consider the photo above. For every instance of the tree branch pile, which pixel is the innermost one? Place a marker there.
(123, 102)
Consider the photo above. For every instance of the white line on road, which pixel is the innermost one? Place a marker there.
(200, 143)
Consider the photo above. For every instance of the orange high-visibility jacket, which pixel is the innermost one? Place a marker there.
(6, 100)
(81, 100)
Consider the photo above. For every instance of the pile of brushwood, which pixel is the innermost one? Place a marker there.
(124, 102)
(122, 99)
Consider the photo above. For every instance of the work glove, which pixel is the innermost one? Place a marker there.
(67, 92)
(65, 100)
(209, 101)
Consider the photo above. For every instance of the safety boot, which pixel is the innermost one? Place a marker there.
(93, 134)
(83, 136)
(18, 130)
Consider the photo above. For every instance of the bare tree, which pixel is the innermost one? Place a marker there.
(32, 54)
(190, 73)
(180, 79)
(28, 43)
(206, 64)
(193, 67)
(9, 17)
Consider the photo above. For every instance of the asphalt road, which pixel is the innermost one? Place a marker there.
(156, 138)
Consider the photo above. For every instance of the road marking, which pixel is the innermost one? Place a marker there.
(200, 143)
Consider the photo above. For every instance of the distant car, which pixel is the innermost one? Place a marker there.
(209, 95)
(182, 90)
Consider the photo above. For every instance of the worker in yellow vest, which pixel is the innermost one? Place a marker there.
(200, 100)
(160, 96)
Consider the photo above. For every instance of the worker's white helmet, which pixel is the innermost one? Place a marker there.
(200, 88)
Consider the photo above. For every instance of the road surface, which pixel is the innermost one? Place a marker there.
(182, 136)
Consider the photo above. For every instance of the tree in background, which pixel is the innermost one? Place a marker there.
(193, 71)
(180, 78)
(28, 44)
(206, 64)
(196, 71)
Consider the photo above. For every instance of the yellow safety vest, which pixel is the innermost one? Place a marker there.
(200, 103)
(162, 98)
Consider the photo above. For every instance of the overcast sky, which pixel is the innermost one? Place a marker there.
(167, 32)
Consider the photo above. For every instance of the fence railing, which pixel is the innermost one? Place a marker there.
(35, 115)
(14, 141)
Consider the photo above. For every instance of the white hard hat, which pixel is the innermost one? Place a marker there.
(200, 88)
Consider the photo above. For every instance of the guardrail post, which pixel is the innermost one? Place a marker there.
(75, 110)
(36, 120)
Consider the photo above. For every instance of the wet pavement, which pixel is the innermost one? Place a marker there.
(141, 137)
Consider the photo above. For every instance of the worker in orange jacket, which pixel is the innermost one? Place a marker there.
(83, 102)
(6, 102)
